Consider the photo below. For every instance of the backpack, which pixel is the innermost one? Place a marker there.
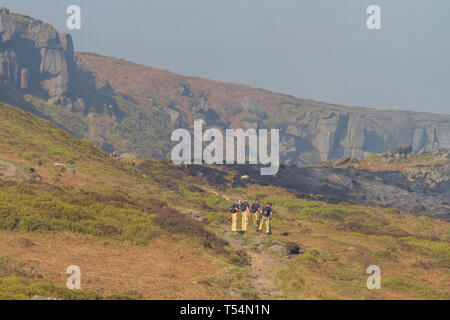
(233, 209)
(267, 211)
(244, 206)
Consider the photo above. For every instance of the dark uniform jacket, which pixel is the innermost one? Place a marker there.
(255, 207)
(267, 211)
(234, 208)
(244, 206)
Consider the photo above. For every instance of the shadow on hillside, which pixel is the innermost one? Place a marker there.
(99, 100)
(14, 98)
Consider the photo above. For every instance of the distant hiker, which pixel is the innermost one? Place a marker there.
(245, 209)
(256, 210)
(266, 218)
(133, 163)
(234, 209)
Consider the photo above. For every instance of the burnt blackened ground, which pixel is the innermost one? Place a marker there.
(382, 189)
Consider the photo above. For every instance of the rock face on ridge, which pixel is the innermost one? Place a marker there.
(34, 57)
(326, 135)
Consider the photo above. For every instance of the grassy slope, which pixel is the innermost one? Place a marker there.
(104, 199)
(121, 229)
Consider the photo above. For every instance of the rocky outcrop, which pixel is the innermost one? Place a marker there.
(324, 135)
(34, 57)
(433, 175)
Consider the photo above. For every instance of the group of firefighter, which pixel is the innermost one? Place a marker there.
(262, 216)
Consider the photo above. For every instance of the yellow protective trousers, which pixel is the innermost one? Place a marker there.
(245, 220)
(234, 222)
(265, 221)
(256, 220)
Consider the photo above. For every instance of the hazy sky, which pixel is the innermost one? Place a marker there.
(314, 49)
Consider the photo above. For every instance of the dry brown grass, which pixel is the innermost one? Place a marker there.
(168, 268)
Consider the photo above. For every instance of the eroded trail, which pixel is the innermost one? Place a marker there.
(263, 267)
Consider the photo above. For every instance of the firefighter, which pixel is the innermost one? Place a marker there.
(266, 218)
(234, 209)
(245, 209)
(256, 210)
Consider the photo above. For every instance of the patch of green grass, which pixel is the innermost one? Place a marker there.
(292, 280)
(201, 199)
(411, 286)
(19, 288)
(217, 218)
(15, 288)
(384, 254)
(440, 251)
(39, 208)
(302, 282)
(12, 267)
(309, 257)
(345, 271)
